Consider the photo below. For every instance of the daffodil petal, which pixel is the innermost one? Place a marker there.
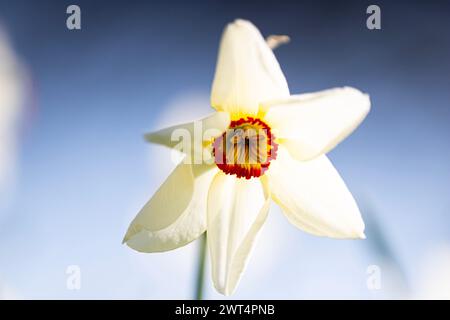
(312, 124)
(247, 72)
(237, 209)
(314, 197)
(176, 214)
(189, 137)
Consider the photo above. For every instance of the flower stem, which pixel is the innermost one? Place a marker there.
(201, 268)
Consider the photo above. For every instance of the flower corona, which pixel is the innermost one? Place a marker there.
(246, 148)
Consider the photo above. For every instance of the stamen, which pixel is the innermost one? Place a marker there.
(246, 148)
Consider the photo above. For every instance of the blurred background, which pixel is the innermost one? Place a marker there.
(74, 169)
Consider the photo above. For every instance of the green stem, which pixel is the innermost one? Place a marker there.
(201, 268)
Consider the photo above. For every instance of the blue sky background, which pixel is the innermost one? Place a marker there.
(84, 170)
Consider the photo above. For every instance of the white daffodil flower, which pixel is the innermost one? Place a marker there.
(262, 144)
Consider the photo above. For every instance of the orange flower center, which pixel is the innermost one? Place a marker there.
(245, 148)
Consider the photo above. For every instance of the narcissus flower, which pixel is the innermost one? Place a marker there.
(261, 144)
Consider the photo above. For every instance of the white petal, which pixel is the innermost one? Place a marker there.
(176, 214)
(189, 137)
(312, 124)
(247, 72)
(314, 197)
(237, 209)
